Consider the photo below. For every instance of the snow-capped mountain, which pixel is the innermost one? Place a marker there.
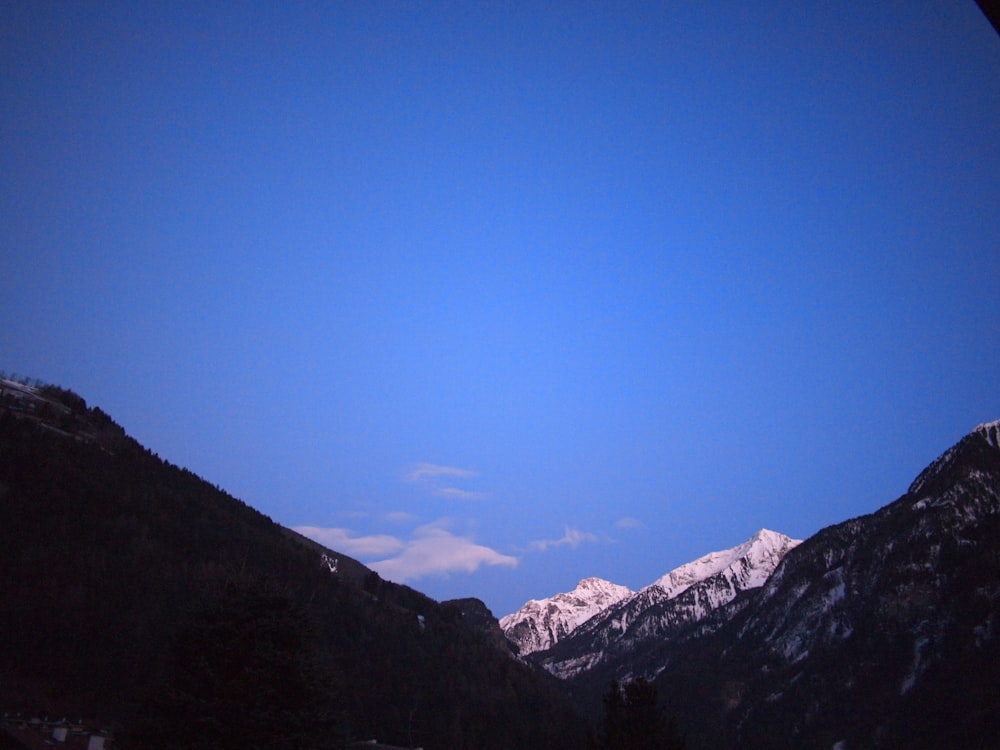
(746, 566)
(881, 631)
(682, 596)
(80, 499)
(542, 622)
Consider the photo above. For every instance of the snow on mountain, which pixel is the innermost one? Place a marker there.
(883, 628)
(991, 432)
(747, 565)
(684, 595)
(542, 622)
(598, 612)
(886, 625)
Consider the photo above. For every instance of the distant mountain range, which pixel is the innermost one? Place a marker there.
(572, 633)
(126, 580)
(879, 632)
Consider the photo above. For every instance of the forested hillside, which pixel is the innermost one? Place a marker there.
(140, 594)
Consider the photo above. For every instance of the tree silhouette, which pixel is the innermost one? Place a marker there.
(633, 720)
(245, 675)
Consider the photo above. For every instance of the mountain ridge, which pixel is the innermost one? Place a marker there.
(117, 565)
(540, 623)
(692, 591)
(880, 631)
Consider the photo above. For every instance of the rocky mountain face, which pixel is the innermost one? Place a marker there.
(540, 623)
(879, 632)
(612, 637)
(882, 631)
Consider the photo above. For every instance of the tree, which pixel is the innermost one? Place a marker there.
(245, 675)
(633, 720)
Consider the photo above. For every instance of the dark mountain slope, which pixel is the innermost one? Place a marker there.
(108, 554)
(478, 616)
(878, 632)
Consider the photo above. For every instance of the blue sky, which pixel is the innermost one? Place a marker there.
(498, 296)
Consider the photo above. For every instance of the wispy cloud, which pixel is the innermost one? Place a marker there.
(459, 494)
(436, 551)
(573, 538)
(629, 523)
(434, 477)
(422, 471)
(342, 540)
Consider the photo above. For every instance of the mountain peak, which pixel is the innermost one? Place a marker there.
(877, 621)
(597, 612)
(766, 535)
(594, 583)
(541, 622)
(685, 595)
(987, 432)
(762, 551)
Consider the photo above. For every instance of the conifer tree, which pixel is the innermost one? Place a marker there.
(633, 720)
(245, 675)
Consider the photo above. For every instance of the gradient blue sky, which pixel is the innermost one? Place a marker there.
(499, 295)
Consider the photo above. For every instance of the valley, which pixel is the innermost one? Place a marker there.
(117, 567)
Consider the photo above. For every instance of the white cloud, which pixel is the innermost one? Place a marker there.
(436, 551)
(629, 523)
(433, 550)
(425, 470)
(341, 540)
(573, 538)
